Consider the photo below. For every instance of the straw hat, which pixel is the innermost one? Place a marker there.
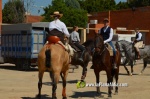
(56, 13)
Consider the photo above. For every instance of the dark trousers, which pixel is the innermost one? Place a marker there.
(79, 46)
(57, 33)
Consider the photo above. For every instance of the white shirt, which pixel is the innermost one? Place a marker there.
(139, 36)
(110, 35)
(75, 36)
(60, 26)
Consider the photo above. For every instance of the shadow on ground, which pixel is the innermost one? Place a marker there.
(13, 67)
(125, 74)
(42, 97)
(70, 82)
(90, 94)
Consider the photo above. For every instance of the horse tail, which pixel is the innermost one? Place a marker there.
(48, 58)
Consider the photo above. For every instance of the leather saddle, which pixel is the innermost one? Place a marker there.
(109, 48)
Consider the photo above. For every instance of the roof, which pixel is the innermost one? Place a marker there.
(33, 18)
(40, 24)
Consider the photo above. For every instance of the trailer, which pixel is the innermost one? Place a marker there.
(20, 44)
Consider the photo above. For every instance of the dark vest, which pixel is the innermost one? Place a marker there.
(138, 36)
(105, 34)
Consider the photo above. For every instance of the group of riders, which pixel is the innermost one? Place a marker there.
(59, 29)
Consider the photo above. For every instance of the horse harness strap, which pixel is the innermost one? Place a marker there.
(102, 51)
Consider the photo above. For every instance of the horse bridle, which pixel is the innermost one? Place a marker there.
(100, 47)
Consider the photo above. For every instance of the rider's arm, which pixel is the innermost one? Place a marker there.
(77, 35)
(65, 30)
(110, 36)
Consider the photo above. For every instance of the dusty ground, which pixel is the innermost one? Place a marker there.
(23, 85)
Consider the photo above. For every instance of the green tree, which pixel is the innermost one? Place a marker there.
(72, 3)
(139, 3)
(13, 12)
(97, 5)
(122, 5)
(71, 16)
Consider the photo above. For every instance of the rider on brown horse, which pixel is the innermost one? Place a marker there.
(107, 33)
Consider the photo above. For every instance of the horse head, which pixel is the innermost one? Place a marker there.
(98, 43)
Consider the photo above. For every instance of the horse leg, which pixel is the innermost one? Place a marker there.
(51, 75)
(54, 84)
(64, 77)
(97, 83)
(84, 72)
(116, 78)
(131, 63)
(109, 81)
(145, 65)
(126, 61)
(40, 75)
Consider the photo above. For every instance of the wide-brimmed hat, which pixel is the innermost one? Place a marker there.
(56, 13)
(106, 20)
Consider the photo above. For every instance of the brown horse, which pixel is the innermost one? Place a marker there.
(87, 57)
(55, 59)
(103, 61)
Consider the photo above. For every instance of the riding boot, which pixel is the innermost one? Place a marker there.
(81, 57)
(138, 57)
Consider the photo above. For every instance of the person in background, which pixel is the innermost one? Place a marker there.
(137, 42)
(76, 41)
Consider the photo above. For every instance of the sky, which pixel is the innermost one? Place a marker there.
(36, 6)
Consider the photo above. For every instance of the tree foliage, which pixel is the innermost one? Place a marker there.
(72, 3)
(122, 5)
(71, 16)
(13, 12)
(97, 5)
(106, 5)
(139, 3)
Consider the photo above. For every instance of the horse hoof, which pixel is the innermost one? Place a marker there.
(64, 98)
(54, 97)
(101, 96)
(116, 93)
(140, 73)
(38, 96)
(109, 96)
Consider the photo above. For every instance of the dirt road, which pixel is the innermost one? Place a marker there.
(23, 84)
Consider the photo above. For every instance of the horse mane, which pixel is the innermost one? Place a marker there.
(89, 45)
(88, 42)
(124, 41)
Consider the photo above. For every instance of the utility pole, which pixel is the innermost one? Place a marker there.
(28, 4)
